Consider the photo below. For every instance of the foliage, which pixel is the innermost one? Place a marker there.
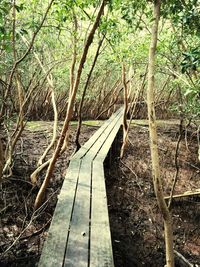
(191, 60)
(126, 25)
(185, 13)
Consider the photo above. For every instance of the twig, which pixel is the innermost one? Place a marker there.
(186, 194)
(130, 142)
(183, 261)
(192, 165)
(21, 180)
(34, 216)
(112, 104)
(38, 170)
(38, 231)
(5, 208)
(132, 173)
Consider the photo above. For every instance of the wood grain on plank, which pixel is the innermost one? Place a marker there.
(102, 153)
(78, 241)
(100, 243)
(88, 145)
(105, 135)
(54, 247)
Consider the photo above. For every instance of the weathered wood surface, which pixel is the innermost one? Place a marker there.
(77, 246)
(102, 153)
(101, 131)
(101, 246)
(79, 235)
(54, 248)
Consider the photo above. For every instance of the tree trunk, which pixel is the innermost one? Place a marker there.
(78, 131)
(125, 125)
(73, 64)
(65, 128)
(157, 181)
(1, 159)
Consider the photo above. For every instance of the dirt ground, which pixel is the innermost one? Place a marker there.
(136, 224)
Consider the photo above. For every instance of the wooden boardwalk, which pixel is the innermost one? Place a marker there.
(79, 234)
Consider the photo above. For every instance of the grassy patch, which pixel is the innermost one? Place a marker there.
(47, 125)
(39, 125)
(161, 123)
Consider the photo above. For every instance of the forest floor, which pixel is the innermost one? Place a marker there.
(136, 224)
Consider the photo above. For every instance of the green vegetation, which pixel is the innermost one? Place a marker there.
(82, 59)
(126, 27)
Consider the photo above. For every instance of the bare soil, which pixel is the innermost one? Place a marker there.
(136, 223)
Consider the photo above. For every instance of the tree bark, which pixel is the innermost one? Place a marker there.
(125, 125)
(1, 159)
(78, 131)
(157, 181)
(69, 113)
(74, 57)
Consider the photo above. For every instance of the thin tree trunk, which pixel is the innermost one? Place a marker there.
(132, 109)
(176, 162)
(65, 128)
(73, 64)
(115, 96)
(157, 181)
(114, 100)
(12, 140)
(130, 77)
(1, 159)
(125, 125)
(49, 92)
(112, 96)
(78, 131)
(198, 142)
(181, 133)
(18, 61)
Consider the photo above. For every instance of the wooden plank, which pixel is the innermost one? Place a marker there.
(83, 150)
(100, 245)
(54, 247)
(103, 145)
(93, 139)
(102, 139)
(78, 241)
(103, 151)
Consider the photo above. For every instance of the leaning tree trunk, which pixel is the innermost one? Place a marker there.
(78, 131)
(65, 128)
(157, 181)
